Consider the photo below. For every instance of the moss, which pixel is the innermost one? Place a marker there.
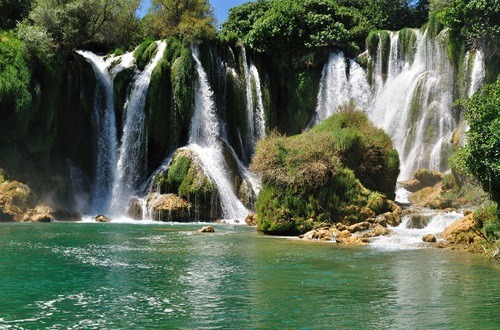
(121, 89)
(372, 43)
(183, 71)
(407, 42)
(144, 53)
(378, 203)
(178, 171)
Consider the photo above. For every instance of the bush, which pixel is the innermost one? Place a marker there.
(314, 177)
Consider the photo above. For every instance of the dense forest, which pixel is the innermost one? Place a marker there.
(46, 88)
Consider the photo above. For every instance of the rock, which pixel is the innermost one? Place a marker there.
(207, 229)
(221, 221)
(16, 199)
(251, 219)
(389, 218)
(419, 221)
(322, 234)
(359, 227)
(135, 208)
(169, 207)
(467, 212)
(460, 231)
(429, 238)
(341, 227)
(351, 240)
(367, 213)
(381, 231)
(378, 231)
(65, 215)
(101, 218)
(41, 213)
(423, 178)
(428, 178)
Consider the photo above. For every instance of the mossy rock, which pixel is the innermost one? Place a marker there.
(185, 177)
(144, 53)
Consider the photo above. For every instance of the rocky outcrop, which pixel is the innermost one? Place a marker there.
(461, 231)
(18, 203)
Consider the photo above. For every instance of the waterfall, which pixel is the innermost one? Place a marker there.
(204, 142)
(411, 98)
(408, 235)
(132, 161)
(104, 126)
(337, 88)
(414, 104)
(256, 122)
(478, 73)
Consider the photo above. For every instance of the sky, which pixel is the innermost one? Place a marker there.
(221, 8)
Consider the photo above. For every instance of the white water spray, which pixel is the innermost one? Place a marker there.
(204, 142)
(132, 160)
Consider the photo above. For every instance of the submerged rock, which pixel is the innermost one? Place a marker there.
(207, 229)
(429, 238)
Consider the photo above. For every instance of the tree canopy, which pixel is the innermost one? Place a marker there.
(268, 25)
(187, 19)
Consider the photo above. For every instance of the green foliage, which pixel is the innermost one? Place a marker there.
(17, 92)
(486, 217)
(315, 177)
(482, 150)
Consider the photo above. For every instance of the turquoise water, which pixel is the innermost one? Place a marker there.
(126, 276)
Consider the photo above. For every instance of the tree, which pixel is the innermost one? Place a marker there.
(482, 152)
(79, 23)
(188, 19)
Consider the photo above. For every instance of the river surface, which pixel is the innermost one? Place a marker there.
(131, 276)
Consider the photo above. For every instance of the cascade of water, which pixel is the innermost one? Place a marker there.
(478, 73)
(132, 160)
(414, 105)
(408, 235)
(260, 117)
(104, 131)
(336, 89)
(78, 188)
(255, 108)
(204, 142)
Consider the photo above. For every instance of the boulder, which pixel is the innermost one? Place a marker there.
(251, 219)
(360, 226)
(389, 218)
(169, 207)
(322, 234)
(423, 178)
(419, 221)
(135, 208)
(460, 231)
(101, 218)
(207, 229)
(16, 199)
(429, 238)
(378, 231)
